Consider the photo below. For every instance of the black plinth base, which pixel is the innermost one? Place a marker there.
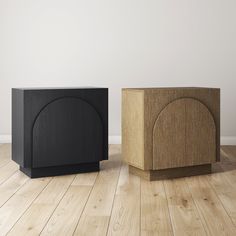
(60, 170)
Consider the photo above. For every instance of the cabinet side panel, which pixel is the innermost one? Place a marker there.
(18, 126)
(133, 128)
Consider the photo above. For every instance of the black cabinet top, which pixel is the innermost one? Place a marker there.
(58, 88)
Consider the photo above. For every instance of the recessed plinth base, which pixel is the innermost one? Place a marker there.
(152, 175)
(60, 170)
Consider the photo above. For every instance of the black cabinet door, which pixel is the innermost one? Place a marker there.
(67, 131)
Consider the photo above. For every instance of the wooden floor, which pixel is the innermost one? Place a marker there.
(113, 202)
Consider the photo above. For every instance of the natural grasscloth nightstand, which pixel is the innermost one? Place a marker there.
(59, 131)
(170, 132)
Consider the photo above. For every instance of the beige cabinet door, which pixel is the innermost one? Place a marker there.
(184, 134)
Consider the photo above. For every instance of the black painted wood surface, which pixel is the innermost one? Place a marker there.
(59, 127)
(67, 131)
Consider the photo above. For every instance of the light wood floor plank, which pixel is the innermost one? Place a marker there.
(86, 179)
(92, 225)
(226, 193)
(229, 152)
(13, 209)
(3, 162)
(184, 215)
(96, 215)
(10, 186)
(125, 218)
(7, 171)
(101, 198)
(70, 208)
(228, 163)
(211, 210)
(155, 218)
(64, 219)
(37, 215)
(114, 202)
(224, 181)
(5, 154)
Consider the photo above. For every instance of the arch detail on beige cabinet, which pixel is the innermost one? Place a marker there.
(184, 134)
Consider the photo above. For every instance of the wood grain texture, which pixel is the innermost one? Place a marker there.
(155, 218)
(228, 153)
(125, 217)
(15, 207)
(5, 154)
(158, 98)
(151, 103)
(226, 193)
(169, 137)
(59, 131)
(184, 215)
(37, 215)
(223, 182)
(217, 221)
(69, 210)
(200, 139)
(65, 132)
(133, 127)
(85, 179)
(131, 206)
(71, 207)
(184, 134)
(7, 171)
(95, 217)
(153, 175)
(11, 185)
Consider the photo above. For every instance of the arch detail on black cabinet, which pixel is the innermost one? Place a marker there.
(67, 131)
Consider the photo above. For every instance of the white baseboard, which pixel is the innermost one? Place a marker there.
(228, 140)
(5, 138)
(116, 139)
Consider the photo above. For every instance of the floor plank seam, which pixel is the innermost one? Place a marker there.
(113, 199)
(201, 215)
(57, 205)
(198, 210)
(218, 187)
(8, 177)
(85, 205)
(168, 207)
(28, 207)
(1, 166)
(213, 189)
(14, 193)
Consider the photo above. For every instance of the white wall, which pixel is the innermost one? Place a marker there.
(122, 43)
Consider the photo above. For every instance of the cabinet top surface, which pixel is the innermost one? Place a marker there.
(57, 88)
(169, 88)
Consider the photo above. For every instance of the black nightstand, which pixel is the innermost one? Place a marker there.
(59, 131)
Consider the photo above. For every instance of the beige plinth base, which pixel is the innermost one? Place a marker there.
(152, 175)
